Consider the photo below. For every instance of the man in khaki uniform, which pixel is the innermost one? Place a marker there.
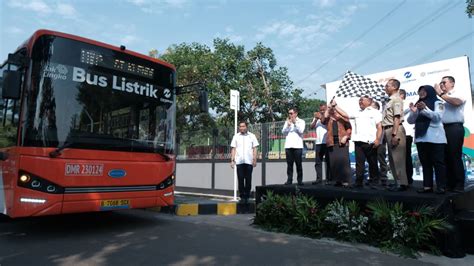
(395, 134)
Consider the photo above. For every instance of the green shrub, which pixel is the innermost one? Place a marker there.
(383, 224)
(405, 232)
(346, 220)
(290, 214)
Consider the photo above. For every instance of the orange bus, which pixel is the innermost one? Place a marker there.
(85, 126)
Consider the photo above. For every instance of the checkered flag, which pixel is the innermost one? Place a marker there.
(354, 85)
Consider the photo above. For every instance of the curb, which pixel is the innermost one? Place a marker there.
(193, 209)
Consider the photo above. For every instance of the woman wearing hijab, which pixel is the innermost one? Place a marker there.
(337, 141)
(430, 138)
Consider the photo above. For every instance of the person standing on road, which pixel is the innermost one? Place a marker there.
(293, 132)
(244, 154)
(395, 135)
(321, 151)
(453, 120)
(409, 132)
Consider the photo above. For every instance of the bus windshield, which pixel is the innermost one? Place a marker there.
(90, 97)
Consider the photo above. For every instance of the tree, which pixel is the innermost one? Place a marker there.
(307, 107)
(193, 64)
(266, 90)
(470, 7)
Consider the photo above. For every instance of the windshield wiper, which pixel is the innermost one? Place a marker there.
(58, 150)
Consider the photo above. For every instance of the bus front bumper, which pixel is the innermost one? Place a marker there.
(34, 203)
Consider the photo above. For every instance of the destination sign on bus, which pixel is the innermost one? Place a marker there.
(121, 83)
(95, 58)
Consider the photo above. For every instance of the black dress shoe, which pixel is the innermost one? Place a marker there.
(300, 184)
(338, 184)
(288, 183)
(425, 190)
(440, 191)
(318, 181)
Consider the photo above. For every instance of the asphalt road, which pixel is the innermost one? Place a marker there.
(137, 237)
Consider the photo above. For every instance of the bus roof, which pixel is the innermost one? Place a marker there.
(29, 43)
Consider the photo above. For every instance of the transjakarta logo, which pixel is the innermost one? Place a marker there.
(407, 74)
(167, 93)
(55, 71)
(118, 83)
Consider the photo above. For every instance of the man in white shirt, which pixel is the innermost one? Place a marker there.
(366, 134)
(453, 120)
(321, 149)
(293, 132)
(244, 155)
(409, 133)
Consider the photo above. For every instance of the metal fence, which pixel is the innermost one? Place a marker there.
(215, 142)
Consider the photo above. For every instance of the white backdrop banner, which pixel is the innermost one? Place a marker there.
(411, 78)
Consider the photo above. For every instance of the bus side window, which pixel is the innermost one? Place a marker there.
(9, 111)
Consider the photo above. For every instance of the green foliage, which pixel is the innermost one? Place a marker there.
(7, 136)
(266, 90)
(387, 225)
(470, 8)
(295, 214)
(345, 218)
(273, 213)
(405, 232)
(307, 107)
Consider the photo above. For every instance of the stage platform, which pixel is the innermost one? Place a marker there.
(454, 206)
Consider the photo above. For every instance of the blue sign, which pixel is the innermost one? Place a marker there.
(407, 74)
(117, 173)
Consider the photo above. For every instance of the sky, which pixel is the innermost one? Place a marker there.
(317, 40)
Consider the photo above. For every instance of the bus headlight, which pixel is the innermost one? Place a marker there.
(24, 178)
(34, 182)
(166, 183)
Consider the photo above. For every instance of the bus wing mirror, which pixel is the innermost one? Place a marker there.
(11, 84)
(203, 101)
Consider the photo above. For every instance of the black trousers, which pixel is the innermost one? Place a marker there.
(432, 156)
(244, 175)
(454, 164)
(294, 156)
(409, 160)
(340, 164)
(322, 154)
(365, 151)
(382, 159)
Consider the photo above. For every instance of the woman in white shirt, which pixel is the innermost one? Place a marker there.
(430, 138)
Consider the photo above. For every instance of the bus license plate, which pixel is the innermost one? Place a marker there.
(115, 204)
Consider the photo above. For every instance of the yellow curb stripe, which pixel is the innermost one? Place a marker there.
(226, 208)
(187, 209)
